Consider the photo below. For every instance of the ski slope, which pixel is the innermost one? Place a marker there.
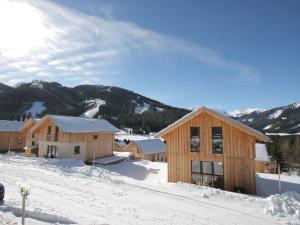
(131, 192)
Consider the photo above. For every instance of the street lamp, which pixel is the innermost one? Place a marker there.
(24, 190)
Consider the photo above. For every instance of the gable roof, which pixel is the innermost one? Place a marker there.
(71, 124)
(29, 123)
(151, 146)
(10, 126)
(259, 136)
(261, 153)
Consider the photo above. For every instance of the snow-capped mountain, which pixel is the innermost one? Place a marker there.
(120, 106)
(284, 119)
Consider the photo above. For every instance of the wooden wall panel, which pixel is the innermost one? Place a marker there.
(238, 152)
(10, 140)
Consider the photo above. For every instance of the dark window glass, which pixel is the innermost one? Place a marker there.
(56, 134)
(196, 166)
(76, 150)
(32, 143)
(197, 178)
(206, 168)
(217, 140)
(195, 139)
(207, 173)
(49, 130)
(95, 137)
(218, 182)
(218, 168)
(32, 135)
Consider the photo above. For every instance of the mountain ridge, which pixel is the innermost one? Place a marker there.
(125, 108)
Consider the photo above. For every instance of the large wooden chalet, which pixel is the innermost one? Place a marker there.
(208, 148)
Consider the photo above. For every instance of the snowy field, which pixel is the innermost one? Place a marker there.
(131, 192)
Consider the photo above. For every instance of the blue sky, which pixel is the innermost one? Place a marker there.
(223, 54)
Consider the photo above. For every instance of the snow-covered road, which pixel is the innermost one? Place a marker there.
(67, 191)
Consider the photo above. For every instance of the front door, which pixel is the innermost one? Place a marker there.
(51, 151)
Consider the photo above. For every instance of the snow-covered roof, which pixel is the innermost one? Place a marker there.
(10, 126)
(72, 124)
(261, 153)
(151, 146)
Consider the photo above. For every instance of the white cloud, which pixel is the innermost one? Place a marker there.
(42, 38)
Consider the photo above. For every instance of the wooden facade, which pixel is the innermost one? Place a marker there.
(238, 156)
(90, 144)
(12, 141)
(266, 167)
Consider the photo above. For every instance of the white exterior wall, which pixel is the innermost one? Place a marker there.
(64, 150)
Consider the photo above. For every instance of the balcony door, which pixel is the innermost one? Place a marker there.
(51, 151)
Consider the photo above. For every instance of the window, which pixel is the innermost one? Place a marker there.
(95, 137)
(32, 143)
(207, 173)
(48, 133)
(195, 139)
(19, 141)
(217, 140)
(32, 135)
(56, 134)
(49, 130)
(76, 150)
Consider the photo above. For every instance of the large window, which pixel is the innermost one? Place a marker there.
(48, 133)
(208, 173)
(195, 139)
(56, 134)
(217, 140)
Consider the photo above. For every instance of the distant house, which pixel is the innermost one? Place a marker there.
(263, 162)
(119, 146)
(74, 137)
(207, 148)
(149, 149)
(10, 136)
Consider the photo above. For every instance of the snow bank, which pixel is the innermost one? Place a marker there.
(283, 205)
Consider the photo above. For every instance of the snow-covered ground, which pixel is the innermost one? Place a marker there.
(131, 192)
(36, 108)
(267, 184)
(94, 105)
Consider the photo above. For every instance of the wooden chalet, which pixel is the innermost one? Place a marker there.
(74, 137)
(10, 136)
(208, 148)
(148, 149)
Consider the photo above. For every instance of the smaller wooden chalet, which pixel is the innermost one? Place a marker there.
(263, 162)
(31, 140)
(74, 137)
(149, 149)
(10, 136)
